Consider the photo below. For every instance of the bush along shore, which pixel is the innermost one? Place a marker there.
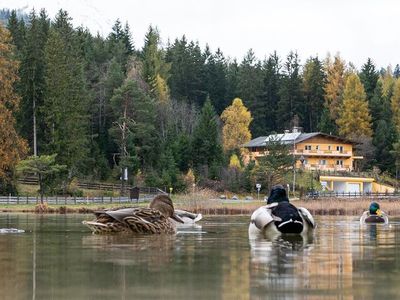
(317, 207)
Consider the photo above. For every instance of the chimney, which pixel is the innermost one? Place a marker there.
(297, 129)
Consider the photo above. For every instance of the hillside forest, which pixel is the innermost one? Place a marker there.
(175, 114)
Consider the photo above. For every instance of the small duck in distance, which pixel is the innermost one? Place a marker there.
(374, 215)
(137, 220)
(279, 216)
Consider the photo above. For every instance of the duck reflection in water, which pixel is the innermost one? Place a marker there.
(152, 252)
(278, 257)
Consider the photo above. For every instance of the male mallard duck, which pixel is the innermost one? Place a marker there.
(140, 220)
(374, 215)
(188, 217)
(279, 216)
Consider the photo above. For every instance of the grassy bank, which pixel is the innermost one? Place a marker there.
(350, 207)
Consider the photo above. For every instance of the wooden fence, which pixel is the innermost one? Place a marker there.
(97, 186)
(316, 195)
(61, 200)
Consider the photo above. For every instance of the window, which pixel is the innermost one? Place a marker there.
(339, 148)
(339, 163)
(329, 147)
(317, 147)
(322, 162)
(307, 147)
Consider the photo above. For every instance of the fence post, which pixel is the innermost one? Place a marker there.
(111, 199)
(17, 199)
(56, 199)
(74, 199)
(65, 199)
(27, 199)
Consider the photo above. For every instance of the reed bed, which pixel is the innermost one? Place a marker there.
(207, 202)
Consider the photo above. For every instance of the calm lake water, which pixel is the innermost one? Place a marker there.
(58, 258)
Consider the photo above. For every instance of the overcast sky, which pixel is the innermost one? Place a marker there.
(358, 29)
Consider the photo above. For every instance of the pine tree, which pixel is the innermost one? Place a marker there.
(17, 29)
(186, 80)
(291, 101)
(249, 89)
(232, 74)
(215, 77)
(32, 74)
(270, 96)
(65, 102)
(154, 65)
(369, 78)
(354, 119)
(133, 129)
(235, 131)
(313, 83)
(206, 146)
(12, 147)
(395, 105)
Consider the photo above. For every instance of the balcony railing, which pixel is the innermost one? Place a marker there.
(323, 153)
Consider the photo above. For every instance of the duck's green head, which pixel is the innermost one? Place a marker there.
(374, 209)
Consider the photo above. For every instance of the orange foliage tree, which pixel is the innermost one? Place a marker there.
(12, 147)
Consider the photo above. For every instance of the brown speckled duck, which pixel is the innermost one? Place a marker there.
(138, 220)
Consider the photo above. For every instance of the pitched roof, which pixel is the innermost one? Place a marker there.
(290, 138)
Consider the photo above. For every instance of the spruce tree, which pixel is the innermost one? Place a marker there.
(65, 101)
(186, 80)
(369, 78)
(291, 99)
(270, 95)
(32, 74)
(313, 85)
(215, 77)
(206, 145)
(249, 89)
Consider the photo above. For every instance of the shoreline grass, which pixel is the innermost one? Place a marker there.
(213, 206)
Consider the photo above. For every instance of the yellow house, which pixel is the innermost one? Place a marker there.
(312, 151)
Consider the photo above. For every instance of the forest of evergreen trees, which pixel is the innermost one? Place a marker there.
(103, 105)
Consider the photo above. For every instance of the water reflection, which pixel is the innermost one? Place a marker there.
(58, 258)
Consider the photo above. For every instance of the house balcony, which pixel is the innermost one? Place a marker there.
(327, 167)
(323, 153)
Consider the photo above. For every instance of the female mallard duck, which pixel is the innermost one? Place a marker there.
(374, 215)
(279, 216)
(139, 220)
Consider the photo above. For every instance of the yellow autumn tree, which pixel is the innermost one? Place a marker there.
(395, 104)
(234, 162)
(354, 117)
(387, 81)
(334, 86)
(235, 131)
(12, 147)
